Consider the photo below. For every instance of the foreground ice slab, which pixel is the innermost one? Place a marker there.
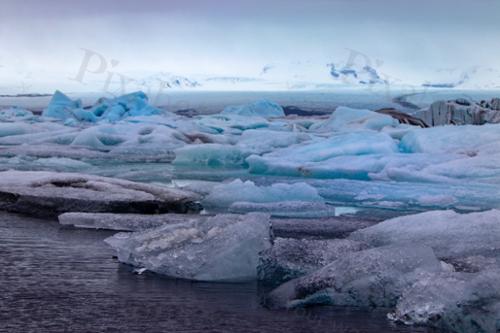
(449, 234)
(51, 194)
(453, 302)
(292, 258)
(222, 248)
(374, 277)
(437, 268)
(125, 222)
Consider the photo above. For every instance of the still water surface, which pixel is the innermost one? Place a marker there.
(57, 279)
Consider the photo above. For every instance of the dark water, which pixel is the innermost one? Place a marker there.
(55, 279)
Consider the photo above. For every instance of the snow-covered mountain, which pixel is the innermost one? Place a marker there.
(169, 81)
(366, 75)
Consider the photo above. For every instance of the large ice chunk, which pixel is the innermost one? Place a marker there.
(313, 159)
(262, 108)
(466, 140)
(409, 196)
(374, 277)
(211, 155)
(349, 119)
(453, 302)
(61, 107)
(231, 123)
(15, 114)
(238, 191)
(222, 248)
(131, 105)
(449, 234)
(51, 194)
(292, 258)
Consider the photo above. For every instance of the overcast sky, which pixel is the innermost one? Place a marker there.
(43, 40)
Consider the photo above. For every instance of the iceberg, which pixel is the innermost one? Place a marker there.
(264, 140)
(464, 140)
(212, 155)
(13, 114)
(478, 233)
(291, 258)
(224, 195)
(349, 119)
(50, 194)
(61, 107)
(453, 302)
(369, 278)
(262, 108)
(222, 248)
(231, 124)
(344, 155)
(409, 196)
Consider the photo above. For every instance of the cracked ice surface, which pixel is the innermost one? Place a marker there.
(437, 268)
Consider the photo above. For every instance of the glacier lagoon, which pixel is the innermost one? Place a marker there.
(354, 175)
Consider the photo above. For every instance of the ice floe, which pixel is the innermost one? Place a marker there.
(51, 194)
(124, 222)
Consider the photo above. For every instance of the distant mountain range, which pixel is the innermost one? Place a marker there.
(474, 78)
(298, 75)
